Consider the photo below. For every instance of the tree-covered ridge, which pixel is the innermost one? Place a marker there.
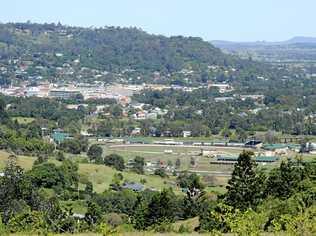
(111, 48)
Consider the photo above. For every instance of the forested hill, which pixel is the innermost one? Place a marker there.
(110, 48)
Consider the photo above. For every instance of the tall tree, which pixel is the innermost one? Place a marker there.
(245, 188)
(138, 165)
(115, 160)
(287, 179)
(95, 152)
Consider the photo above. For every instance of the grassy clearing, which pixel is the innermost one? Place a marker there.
(155, 153)
(78, 206)
(191, 224)
(23, 120)
(23, 161)
(101, 177)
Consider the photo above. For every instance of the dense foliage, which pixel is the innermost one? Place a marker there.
(108, 48)
(252, 205)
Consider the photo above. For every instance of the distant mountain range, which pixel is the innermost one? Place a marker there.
(294, 40)
(296, 49)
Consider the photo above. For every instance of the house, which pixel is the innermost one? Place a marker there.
(32, 92)
(130, 164)
(140, 115)
(137, 187)
(64, 93)
(59, 136)
(136, 131)
(223, 88)
(168, 151)
(277, 148)
(186, 134)
(152, 116)
(223, 99)
(78, 216)
(253, 144)
(137, 105)
(254, 97)
(312, 148)
(207, 153)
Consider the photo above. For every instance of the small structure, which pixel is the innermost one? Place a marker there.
(207, 153)
(137, 187)
(59, 136)
(136, 131)
(231, 160)
(168, 151)
(64, 93)
(277, 148)
(186, 134)
(253, 144)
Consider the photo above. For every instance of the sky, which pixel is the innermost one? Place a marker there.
(235, 20)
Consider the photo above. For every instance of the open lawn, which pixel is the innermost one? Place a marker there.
(23, 120)
(23, 161)
(101, 177)
(184, 153)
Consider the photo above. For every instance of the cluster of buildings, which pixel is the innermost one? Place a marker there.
(119, 92)
(222, 87)
(257, 98)
(143, 113)
(152, 166)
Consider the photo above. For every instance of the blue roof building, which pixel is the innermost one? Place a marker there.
(133, 186)
(60, 136)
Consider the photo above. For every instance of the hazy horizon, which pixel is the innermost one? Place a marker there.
(242, 21)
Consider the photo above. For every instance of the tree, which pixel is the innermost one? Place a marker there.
(245, 188)
(94, 214)
(3, 114)
(115, 160)
(140, 212)
(287, 179)
(46, 175)
(178, 163)
(161, 208)
(189, 181)
(138, 165)
(60, 156)
(69, 169)
(89, 188)
(116, 181)
(271, 136)
(194, 190)
(225, 132)
(71, 146)
(95, 152)
(161, 172)
(14, 185)
(242, 134)
(192, 161)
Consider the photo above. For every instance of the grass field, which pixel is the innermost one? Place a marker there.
(155, 153)
(23, 120)
(100, 175)
(23, 161)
